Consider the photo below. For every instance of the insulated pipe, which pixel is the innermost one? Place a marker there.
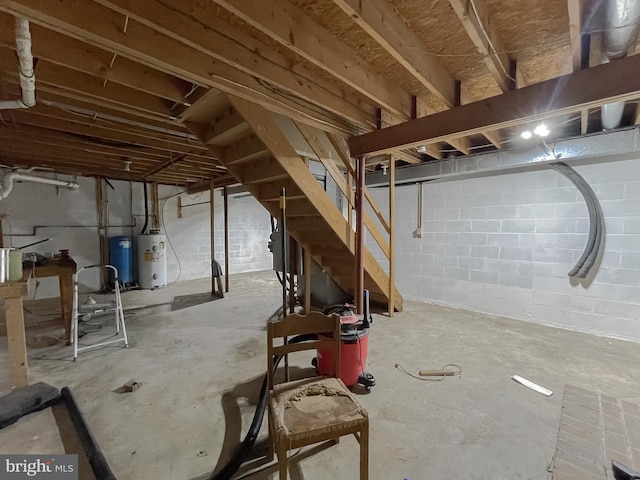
(27, 77)
(620, 27)
(620, 34)
(9, 178)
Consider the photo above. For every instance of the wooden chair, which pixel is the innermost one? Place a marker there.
(311, 410)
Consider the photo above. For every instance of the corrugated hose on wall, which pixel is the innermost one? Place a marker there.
(595, 240)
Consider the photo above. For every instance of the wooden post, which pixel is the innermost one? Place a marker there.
(307, 279)
(359, 293)
(16, 338)
(104, 257)
(392, 194)
(179, 206)
(212, 222)
(226, 239)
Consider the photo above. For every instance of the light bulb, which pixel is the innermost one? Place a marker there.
(541, 130)
(526, 134)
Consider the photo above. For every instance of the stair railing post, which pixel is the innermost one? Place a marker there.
(360, 212)
(392, 193)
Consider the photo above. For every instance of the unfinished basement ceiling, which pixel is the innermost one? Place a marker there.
(122, 86)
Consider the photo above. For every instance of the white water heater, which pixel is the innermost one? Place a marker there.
(152, 260)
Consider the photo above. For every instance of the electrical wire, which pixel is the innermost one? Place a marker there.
(166, 232)
(486, 35)
(457, 370)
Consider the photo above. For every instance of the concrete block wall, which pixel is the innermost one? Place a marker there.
(70, 218)
(504, 244)
(35, 211)
(190, 257)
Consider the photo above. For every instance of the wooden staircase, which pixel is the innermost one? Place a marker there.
(266, 161)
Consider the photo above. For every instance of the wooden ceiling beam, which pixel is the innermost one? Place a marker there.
(614, 81)
(405, 157)
(475, 19)
(70, 100)
(206, 106)
(36, 160)
(205, 185)
(43, 136)
(226, 129)
(57, 113)
(381, 21)
(173, 162)
(202, 29)
(461, 144)
(574, 8)
(247, 149)
(494, 136)
(87, 85)
(145, 45)
(91, 131)
(71, 154)
(291, 27)
(68, 52)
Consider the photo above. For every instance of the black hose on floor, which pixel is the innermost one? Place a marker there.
(92, 450)
(249, 440)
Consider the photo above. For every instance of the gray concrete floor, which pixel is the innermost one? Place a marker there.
(201, 369)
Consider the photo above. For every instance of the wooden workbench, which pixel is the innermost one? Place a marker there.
(64, 269)
(12, 293)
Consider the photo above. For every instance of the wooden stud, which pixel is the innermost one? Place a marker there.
(391, 256)
(16, 337)
(584, 121)
(574, 9)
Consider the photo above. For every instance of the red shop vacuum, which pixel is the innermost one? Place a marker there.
(355, 344)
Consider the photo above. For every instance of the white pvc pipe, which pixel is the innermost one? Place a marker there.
(27, 77)
(9, 178)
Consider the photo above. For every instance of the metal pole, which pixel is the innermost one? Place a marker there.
(212, 219)
(359, 293)
(226, 239)
(283, 238)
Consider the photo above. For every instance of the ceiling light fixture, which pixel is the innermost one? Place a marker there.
(541, 130)
(526, 134)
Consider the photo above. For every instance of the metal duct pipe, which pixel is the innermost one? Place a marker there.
(9, 178)
(27, 77)
(621, 30)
